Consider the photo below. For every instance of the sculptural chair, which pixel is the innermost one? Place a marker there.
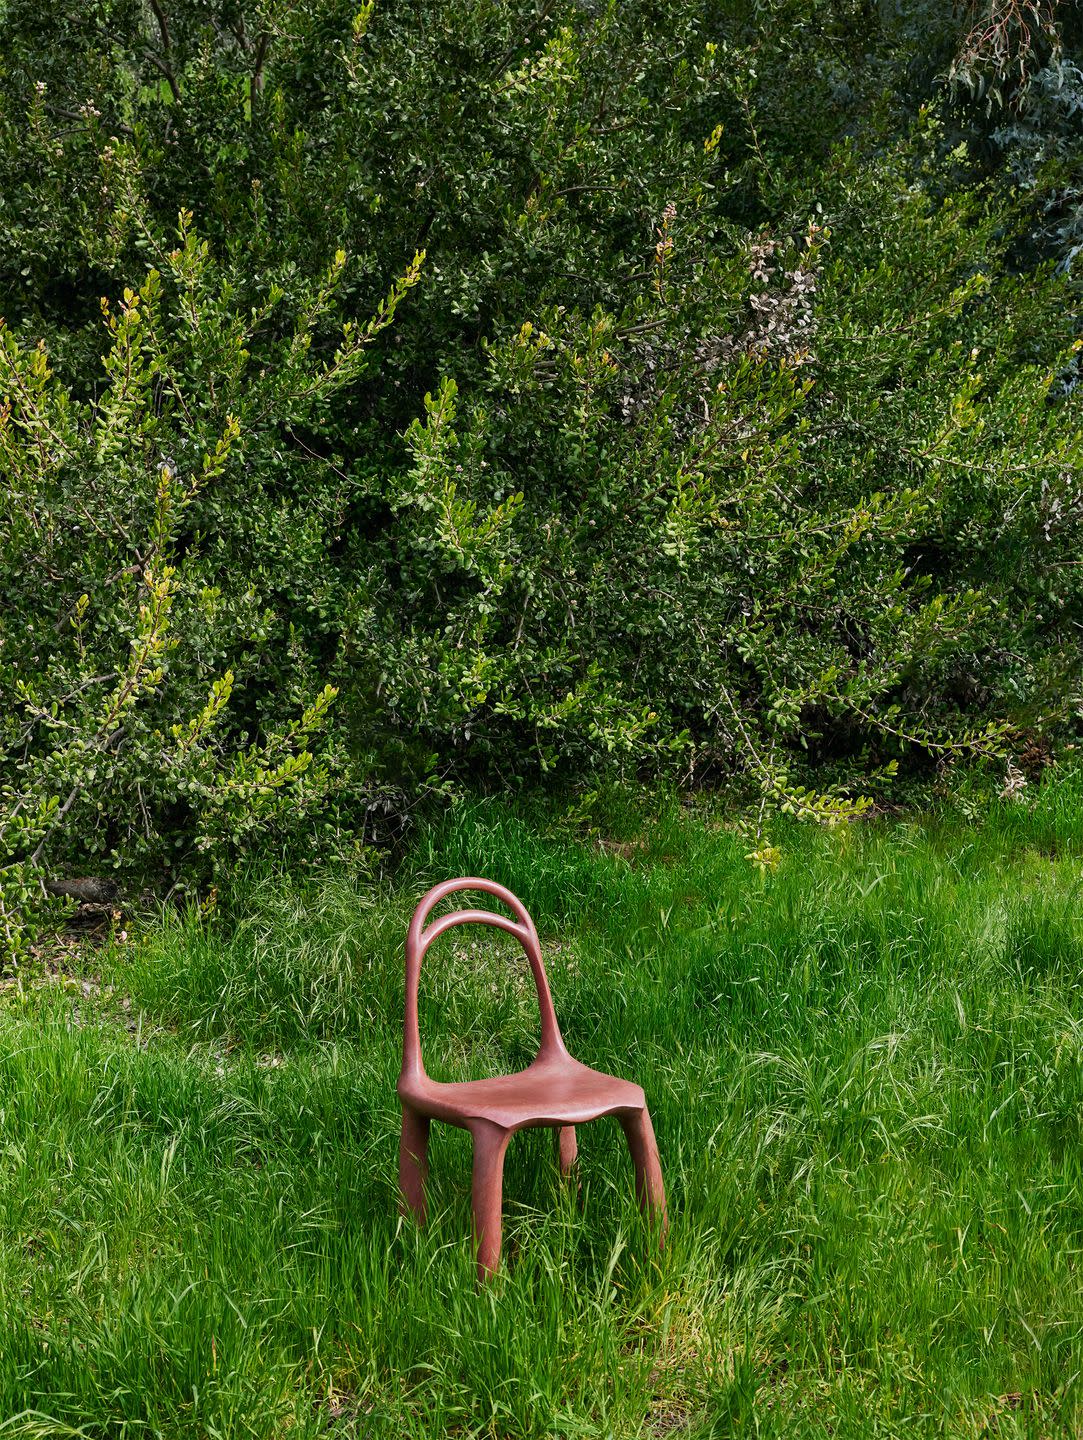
(554, 1090)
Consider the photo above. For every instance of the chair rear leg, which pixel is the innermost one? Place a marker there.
(414, 1160)
(650, 1191)
(490, 1143)
(568, 1149)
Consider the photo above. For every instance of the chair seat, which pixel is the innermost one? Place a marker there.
(554, 1091)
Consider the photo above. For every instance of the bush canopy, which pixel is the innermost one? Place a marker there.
(417, 396)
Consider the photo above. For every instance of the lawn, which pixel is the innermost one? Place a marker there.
(865, 1074)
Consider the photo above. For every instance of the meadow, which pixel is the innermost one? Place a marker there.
(866, 1073)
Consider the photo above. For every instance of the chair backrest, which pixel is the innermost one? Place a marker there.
(419, 938)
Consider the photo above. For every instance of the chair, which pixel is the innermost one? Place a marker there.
(554, 1090)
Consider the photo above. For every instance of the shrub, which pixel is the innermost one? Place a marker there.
(129, 609)
(677, 459)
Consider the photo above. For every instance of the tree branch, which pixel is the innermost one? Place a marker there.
(255, 84)
(161, 61)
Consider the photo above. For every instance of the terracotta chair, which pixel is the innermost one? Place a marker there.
(554, 1090)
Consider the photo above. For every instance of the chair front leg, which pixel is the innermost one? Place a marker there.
(414, 1160)
(650, 1191)
(490, 1144)
(568, 1149)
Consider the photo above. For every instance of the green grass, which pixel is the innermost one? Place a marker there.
(866, 1073)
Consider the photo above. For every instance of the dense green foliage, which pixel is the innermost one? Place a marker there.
(717, 421)
(865, 1072)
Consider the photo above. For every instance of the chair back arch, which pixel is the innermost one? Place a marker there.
(419, 937)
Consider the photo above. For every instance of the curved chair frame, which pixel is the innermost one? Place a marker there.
(554, 1090)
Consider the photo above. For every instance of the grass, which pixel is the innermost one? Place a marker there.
(866, 1074)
